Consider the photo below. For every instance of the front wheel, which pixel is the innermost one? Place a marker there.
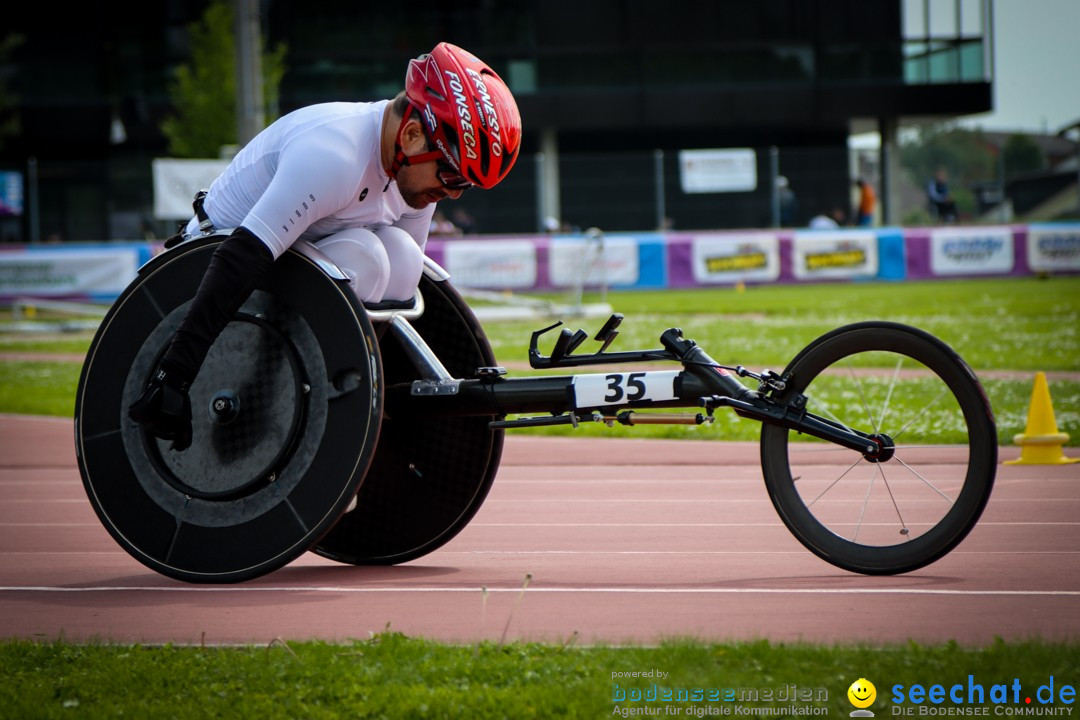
(920, 496)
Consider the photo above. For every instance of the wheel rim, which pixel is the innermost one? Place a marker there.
(917, 497)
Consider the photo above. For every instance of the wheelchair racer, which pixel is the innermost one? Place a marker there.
(360, 181)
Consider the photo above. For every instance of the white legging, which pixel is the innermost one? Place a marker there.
(384, 264)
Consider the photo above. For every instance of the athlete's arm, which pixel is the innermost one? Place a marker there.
(317, 175)
(418, 224)
(235, 269)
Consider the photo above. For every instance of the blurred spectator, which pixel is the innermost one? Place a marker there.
(864, 212)
(553, 225)
(941, 200)
(789, 204)
(828, 222)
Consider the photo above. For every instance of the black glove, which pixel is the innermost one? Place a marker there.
(164, 408)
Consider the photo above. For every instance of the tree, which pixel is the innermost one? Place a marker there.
(204, 91)
(963, 152)
(1022, 154)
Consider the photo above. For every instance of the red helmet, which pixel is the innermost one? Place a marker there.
(468, 114)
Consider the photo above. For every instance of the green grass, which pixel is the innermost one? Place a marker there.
(392, 676)
(78, 343)
(1022, 324)
(1015, 324)
(1009, 398)
(38, 388)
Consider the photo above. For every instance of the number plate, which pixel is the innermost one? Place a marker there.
(622, 388)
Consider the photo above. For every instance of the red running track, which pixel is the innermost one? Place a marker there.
(625, 541)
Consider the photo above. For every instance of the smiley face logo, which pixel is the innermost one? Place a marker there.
(862, 693)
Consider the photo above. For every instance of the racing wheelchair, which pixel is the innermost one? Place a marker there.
(372, 435)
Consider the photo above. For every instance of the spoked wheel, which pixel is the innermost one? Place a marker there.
(912, 501)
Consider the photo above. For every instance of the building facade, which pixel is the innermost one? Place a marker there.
(611, 93)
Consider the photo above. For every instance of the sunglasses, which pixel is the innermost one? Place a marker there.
(447, 174)
(449, 177)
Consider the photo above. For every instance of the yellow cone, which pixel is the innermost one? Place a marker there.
(1041, 442)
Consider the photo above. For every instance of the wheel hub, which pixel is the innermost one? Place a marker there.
(884, 448)
(224, 407)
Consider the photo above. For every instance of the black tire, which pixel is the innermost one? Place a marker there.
(913, 507)
(272, 470)
(429, 476)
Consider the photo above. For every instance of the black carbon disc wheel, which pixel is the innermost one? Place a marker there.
(913, 501)
(429, 477)
(286, 413)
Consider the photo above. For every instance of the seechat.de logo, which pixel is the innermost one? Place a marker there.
(1052, 697)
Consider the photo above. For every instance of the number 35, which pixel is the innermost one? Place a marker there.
(635, 387)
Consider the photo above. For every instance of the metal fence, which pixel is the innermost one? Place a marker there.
(617, 191)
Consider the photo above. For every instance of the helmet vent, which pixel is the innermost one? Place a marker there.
(452, 140)
(485, 157)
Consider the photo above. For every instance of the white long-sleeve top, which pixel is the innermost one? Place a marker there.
(310, 174)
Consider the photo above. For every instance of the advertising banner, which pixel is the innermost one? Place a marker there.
(96, 273)
(491, 264)
(176, 182)
(709, 171)
(583, 262)
(731, 258)
(971, 251)
(1054, 247)
(834, 255)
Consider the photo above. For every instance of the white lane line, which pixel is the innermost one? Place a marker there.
(659, 480)
(662, 478)
(71, 483)
(768, 524)
(724, 500)
(562, 553)
(120, 553)
(597, 501)
(771, 524)
(722, 552)
(540, 590)
(21, 524)
(45, 501)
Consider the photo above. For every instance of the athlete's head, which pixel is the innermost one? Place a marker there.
(470, 118)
